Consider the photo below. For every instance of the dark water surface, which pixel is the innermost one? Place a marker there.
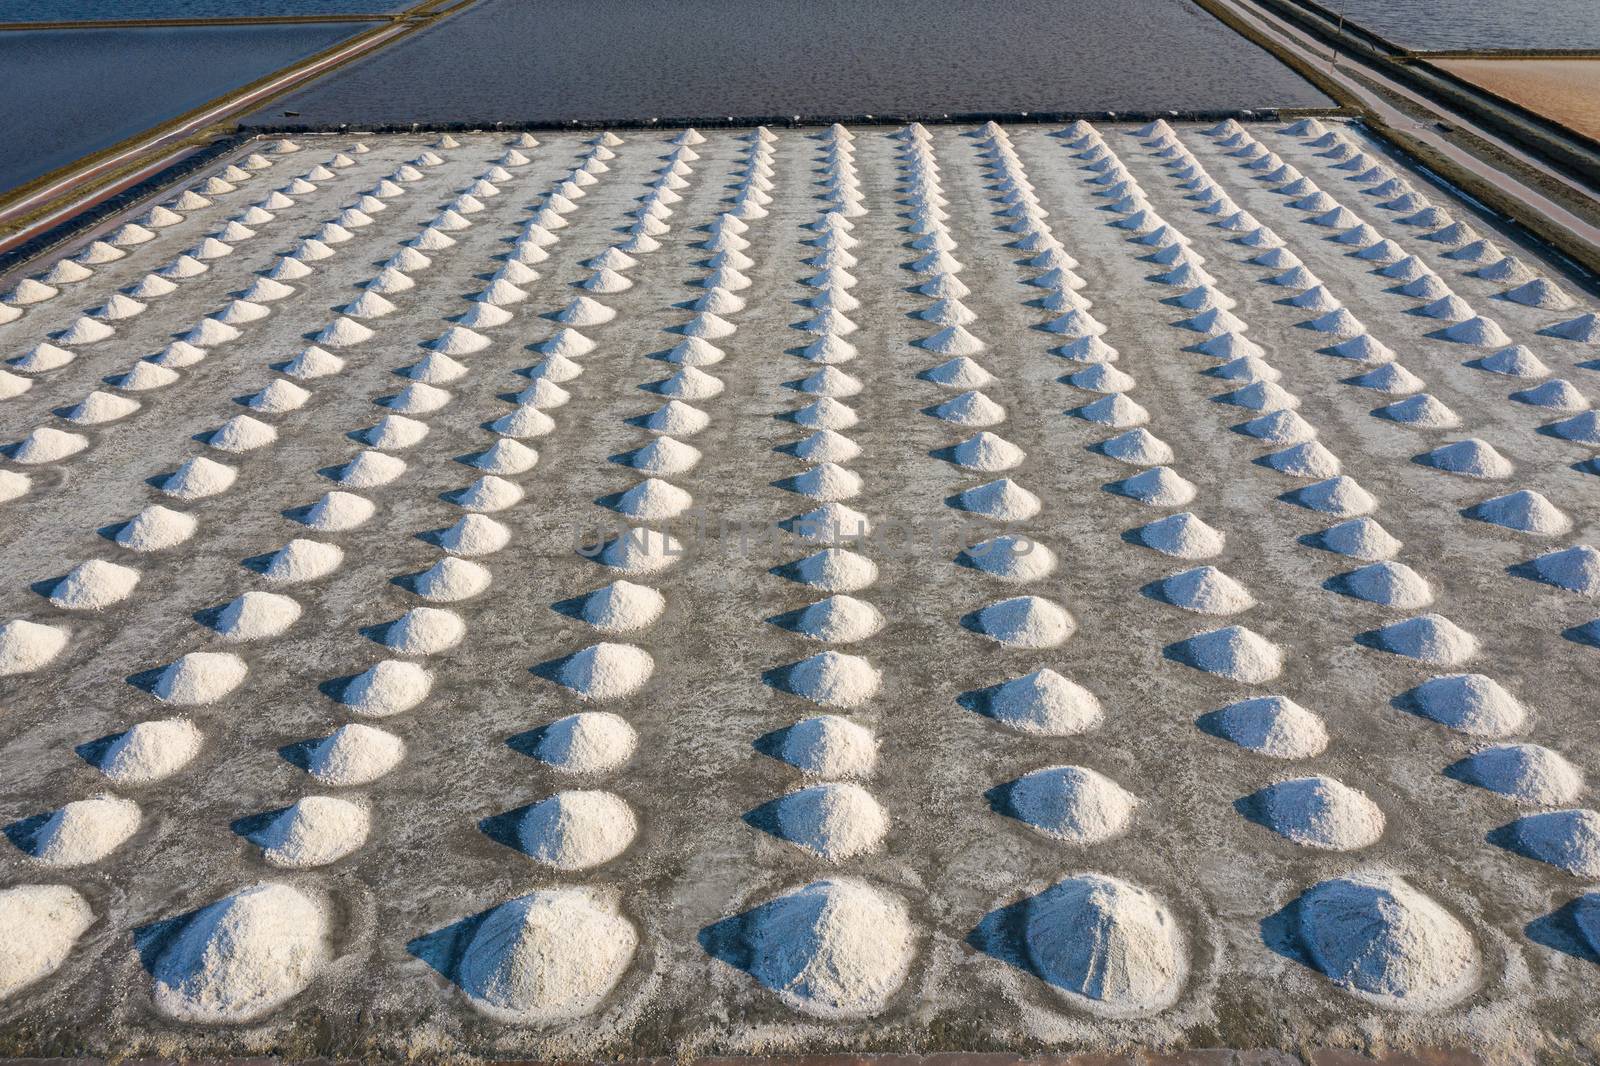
(1455, 25)
(67, 93)
(557, 60)
(80, 10)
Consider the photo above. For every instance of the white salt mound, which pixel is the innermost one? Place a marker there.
(1389, 583)
(315, 831)
(1359, 538)
(1471, 703)
(1026, 622)
(243, 956)
(1429, 638)
(1524, 510)
(1182, 535)
(85, 831)
(452, 579)
(1273, 725)
(833, 949)
(199, 478)
(547, 957)
(836, 570)
(1072, 804)
(424, 631)
(834, 679)
(839, 619)
(389, 687)
(1106, 945)
(1206, 590)
(1576, 569)
(1377, 937)
(1526, 773)
(830, 746)
(578, 829)
(355, 754)
(606, 671)
(622, 606)
(1044, 703)
(338, 512)
(589, 742)
(475, 534)
(150, 751)
(39, 925)
(1235, 652)
(836, 821)
(257, 616)
(94, 585)
(200, 677)
(1320, 812)
(1568, 840)
(303, 560)
(156, 528)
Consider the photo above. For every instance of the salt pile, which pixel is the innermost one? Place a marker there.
(547, 957)
(1235, 652)
(606, 671)
(1524, 510)
(1071, 804)
(150, 751)
(354, 754)
(1270, 725)
(1319, 812)
(199, 678)
(370, 469)
(242, 956)
(1568, 840)
(834, 679)
(1526, 773)
(315, 831)
(1576, 569)
(1010, 557)
(475, 534)
(987, 452)
(1025, 622)
(390, 687)
(394, 432)
(1473, 457)
(242, 434)
(47, 445)
(1205, 590)
(338, 512)
(1182, 535)
(835, 570)
(1107, 945)
(424, 631)
(85, 831)
(41, 359)
(156, 528)
(829, 746)
(1337, 495)
(94, 585)
(589, 742)
(257, 616)
(1309, 460)
(303, 560)
(664, 456)
(1115, 411)
(1359, 538)
(653, 499)
(834, 949)
(39, 925)
(839, 619)
(1003, 500)
(1389, 583)
(1428, 638)
(1471, 703)
(577, 829)
(1379, 938)
(835, 821)
(1159, 486)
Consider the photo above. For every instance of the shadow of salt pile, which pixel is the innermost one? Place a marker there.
(1561, 930)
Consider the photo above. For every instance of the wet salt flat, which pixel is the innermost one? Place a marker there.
(1477, 25)
(71, 93)
(92, 10)
(621, 60)
(815, 588)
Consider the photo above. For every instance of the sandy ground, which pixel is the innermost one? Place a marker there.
(1566, 90)
(697, 773)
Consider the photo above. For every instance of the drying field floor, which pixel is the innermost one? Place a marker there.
(1173, 686)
